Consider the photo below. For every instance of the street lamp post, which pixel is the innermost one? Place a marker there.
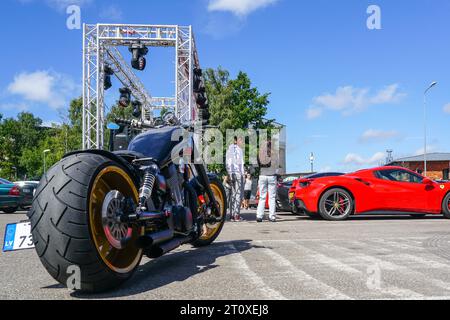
(425, 126)
(45, 167)
(311, 159)
(15, 173)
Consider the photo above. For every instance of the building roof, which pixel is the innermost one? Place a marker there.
(430, 157)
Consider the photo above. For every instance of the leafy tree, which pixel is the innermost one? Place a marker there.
(235, 104)
(17, 135)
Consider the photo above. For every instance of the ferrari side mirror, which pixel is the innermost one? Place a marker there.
(427, 181)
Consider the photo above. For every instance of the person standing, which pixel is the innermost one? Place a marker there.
(247, 191)
(269, 166)
(235, 169)
(227, 186)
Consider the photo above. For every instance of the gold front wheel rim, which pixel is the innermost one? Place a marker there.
(119, 260)
(208, 230)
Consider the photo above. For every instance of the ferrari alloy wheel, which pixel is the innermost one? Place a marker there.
(446, 206)
(336, 205)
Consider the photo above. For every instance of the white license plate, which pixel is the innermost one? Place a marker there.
(18, 237)
(27, 190)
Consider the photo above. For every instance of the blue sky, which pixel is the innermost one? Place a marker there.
(345, 92)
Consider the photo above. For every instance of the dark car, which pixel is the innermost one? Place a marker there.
(10, 196)
(283, 186)
(27, 190)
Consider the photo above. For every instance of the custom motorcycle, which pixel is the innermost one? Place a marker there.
(101, 211)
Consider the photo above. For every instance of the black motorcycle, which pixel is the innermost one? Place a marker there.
(102, 211)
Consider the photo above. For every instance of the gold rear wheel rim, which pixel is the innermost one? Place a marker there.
(124, 260)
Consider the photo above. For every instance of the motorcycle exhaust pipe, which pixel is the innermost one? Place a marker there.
(144, 216)
(159, 251)
(154, 239)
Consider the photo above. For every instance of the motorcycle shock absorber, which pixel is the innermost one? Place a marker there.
(145, 192)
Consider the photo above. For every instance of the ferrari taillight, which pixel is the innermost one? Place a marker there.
(14, 191)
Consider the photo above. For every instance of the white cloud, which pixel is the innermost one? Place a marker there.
(349, 100)
(239, 8)
(356, 159)
(313, 113)
(447, 108)
(373, 135)
(111, 13)
(46, 87)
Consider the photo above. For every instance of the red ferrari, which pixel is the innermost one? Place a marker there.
(386, 190)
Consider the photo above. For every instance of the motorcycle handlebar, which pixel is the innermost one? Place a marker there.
(142, 125)
(134, 123)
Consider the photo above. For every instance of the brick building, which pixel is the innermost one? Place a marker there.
(438, 165)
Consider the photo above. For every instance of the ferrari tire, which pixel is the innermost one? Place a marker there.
(336, 205)
(446, 206)
(10, 210)
(66, 223)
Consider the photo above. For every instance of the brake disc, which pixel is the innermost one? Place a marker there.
(115, 230)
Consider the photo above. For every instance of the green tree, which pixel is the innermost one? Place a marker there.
(17, 135)
(235, 104)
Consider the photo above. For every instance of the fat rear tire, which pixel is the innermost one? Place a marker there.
(60, 224)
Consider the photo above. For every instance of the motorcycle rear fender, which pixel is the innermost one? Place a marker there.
(113, 157)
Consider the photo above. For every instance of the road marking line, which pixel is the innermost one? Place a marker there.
(329, 292)
(391, 266)
(427, 263)
(394, 244)
(243, 267)
(330, 239)
(340, 266)
(323, 259)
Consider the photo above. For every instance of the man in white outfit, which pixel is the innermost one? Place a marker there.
(269, 166)
(235, 169)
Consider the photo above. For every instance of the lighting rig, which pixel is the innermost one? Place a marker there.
(102, 60)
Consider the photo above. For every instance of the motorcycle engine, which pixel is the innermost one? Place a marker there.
(182, 219)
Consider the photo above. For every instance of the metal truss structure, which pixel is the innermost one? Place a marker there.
(100, 49)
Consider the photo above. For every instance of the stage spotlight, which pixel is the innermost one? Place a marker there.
(125, 97)
(137, 108)
(198, 82)
(201, 99)
(138, 61)
(204, 115)
(107, 80)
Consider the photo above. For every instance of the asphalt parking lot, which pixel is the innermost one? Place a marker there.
(297, 258)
